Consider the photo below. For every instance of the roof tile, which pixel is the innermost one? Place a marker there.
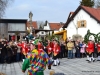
(34, 24)
(95, 12)
(55, 26)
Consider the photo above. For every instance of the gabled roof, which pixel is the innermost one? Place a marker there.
(93, 12)
(55, 26)
(34, 24)
(70, 14)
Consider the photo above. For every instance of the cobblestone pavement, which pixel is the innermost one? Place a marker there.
(78, 66)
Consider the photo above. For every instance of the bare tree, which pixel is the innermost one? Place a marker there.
(3, 6)
(40, 24)
(97, 3)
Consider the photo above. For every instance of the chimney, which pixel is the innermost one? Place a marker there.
(61, 23)
(46, 23)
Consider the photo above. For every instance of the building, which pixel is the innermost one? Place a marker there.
(42, 29)
(12, 28)
(81, 20)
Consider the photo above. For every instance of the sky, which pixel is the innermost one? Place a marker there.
(50, 10)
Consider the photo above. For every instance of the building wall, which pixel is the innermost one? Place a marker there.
(3, 30)
(91, 24)
(5, 27)
(42, 33)
(47, 27)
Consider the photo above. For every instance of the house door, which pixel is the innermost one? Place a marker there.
(18, 37)
(10, 37)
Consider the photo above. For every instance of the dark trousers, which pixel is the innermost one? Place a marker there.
(78, 54)
(99, 54)
(0, 58)
(90, 55)
(18, 57)
(66, 53)
(61, 54)
(14, 58)
(9, 59)
(22, 56)
(50, 55)
(3, 59)
(55, 57)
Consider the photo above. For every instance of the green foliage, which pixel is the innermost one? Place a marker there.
(96, 36)
(50, 37)
(89, 3)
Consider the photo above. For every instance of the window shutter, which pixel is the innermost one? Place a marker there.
(85, 23)
(78, 24)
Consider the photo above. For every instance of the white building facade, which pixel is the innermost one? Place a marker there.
(91, 23)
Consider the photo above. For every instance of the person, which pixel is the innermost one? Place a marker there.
(70, 46)
(82, 49)
(3, 52)
(24, 49)
(10, 54)
(49, 48)
(90, 46)
(36, 62)
(56, 51)
(98, 49)
(0, 50)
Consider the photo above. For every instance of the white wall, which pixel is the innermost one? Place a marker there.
(47, 27)
(92, 24)
(40, 33)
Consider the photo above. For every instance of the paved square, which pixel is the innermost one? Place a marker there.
(78, 66)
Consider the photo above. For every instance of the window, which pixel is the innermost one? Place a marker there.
(82, 24)
(42, 32)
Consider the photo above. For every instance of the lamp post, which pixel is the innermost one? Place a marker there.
(30, 20)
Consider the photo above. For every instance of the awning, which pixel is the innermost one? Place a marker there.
(63, 33)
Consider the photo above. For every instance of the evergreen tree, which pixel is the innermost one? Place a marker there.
(89, 3)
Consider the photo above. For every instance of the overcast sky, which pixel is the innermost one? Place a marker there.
(51, 10)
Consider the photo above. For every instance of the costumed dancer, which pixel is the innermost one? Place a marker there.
(24, 49)
(90, 47)
(56, 51)
(36, 62)
(98, 49)
(39, 45)
(49, 49)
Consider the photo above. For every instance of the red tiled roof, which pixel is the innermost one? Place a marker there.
(71, 12)
(34, 24)
(93, 12)
(55, 26)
